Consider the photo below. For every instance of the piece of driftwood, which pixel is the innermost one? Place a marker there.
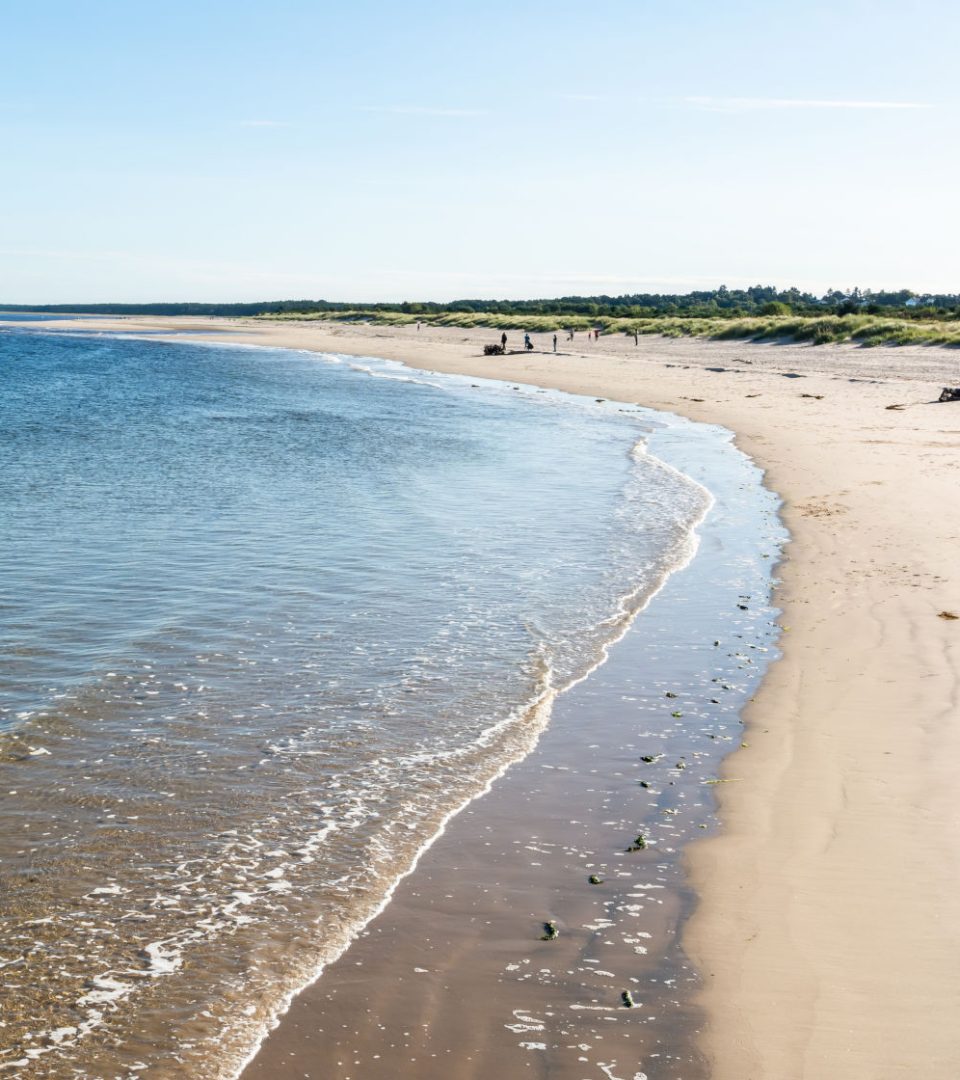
(949, 393)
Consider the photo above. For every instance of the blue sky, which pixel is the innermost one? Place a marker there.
(237, 151)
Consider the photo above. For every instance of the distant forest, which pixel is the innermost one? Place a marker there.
(708, 304)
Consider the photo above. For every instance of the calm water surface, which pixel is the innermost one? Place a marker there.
(266, 620)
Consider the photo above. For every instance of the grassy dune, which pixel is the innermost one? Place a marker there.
(818, 330)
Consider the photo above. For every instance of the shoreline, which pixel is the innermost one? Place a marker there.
(845, 789)
(439, 953)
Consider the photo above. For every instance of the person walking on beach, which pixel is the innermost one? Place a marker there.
(527, 343)
(636, 337)
(554, 342)
(503, 341)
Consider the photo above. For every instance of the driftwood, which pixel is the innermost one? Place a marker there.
(950, 393)
(493, 350)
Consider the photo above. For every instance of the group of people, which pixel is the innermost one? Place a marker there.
(528, 342)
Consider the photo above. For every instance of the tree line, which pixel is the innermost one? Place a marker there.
(705, 303)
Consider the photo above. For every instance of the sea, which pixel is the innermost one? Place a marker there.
(268, 619)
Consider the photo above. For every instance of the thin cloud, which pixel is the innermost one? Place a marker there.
(60, 253)
(422, 110)
(746, 104)
(266, 123)
(582, 97)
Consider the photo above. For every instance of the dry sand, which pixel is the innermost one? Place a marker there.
(828, 927)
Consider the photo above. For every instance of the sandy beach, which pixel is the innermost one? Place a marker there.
(825, 911)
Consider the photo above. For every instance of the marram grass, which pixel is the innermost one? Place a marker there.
(866, 330)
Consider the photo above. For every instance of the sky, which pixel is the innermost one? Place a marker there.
(219, 151)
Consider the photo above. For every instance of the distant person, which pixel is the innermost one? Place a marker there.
(503, 341)
(596, 335)
(418, 327)
(527, 343)
(570, 334)
(636, 337)
(554, 342)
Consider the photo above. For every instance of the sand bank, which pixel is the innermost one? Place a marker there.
(827, 927)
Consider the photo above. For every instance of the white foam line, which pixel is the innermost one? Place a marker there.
(541, 708)
(626, 614)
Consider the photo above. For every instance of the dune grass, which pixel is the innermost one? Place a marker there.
(861, 329)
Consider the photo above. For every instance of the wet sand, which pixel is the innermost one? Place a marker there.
(826, 926)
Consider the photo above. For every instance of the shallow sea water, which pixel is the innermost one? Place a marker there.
(267, 620)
